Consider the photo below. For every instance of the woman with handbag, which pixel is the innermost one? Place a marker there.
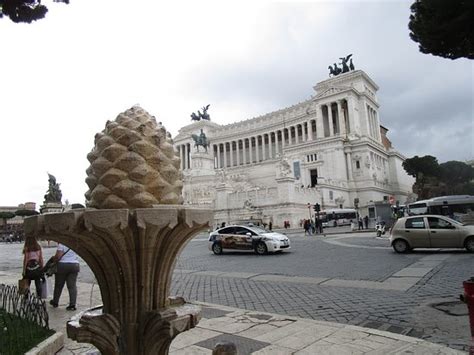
(33, 263)
(67, 271)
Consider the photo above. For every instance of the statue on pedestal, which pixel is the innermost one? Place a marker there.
(201, 116)
(54, 192)
(334, 71)
(200, 140)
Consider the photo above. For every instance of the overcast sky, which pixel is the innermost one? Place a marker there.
(64, 76)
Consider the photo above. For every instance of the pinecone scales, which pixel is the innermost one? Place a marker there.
(133, 164)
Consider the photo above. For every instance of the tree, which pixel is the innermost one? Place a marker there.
(24, 10)
(426, 171)
(443, 28)
(26, 213)
(77, 205)
(456, 172)
(433, 179)
(4, 216)
(419, 167)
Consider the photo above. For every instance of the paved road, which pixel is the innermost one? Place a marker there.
(347, 278)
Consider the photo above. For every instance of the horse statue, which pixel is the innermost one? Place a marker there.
(334, 71)
(345, 67)
(200, 140)
(201, 116)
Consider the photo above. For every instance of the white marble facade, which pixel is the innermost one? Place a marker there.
(329, 149)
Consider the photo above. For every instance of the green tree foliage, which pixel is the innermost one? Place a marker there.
(24, 10)
(77, 205)
(433, 179)
(456, 172)
(4, 216)
(420, 167)
(26, 213)
(443, 28)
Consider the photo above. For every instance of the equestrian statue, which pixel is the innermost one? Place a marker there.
(200, 140)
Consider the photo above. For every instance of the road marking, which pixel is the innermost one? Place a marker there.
(335, 241)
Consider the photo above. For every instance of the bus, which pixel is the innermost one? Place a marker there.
(338, 217)
(456, 206)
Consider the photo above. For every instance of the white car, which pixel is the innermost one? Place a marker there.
(254, 238)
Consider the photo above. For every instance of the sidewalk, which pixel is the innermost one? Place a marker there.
(253, 332)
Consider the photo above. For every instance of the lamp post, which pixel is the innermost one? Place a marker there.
(309, 210)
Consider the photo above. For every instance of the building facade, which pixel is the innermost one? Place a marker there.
(330, 149)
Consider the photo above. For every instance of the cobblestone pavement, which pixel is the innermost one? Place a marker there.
(347, 278)
(359, 260)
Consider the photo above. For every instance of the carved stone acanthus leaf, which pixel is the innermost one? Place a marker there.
(132, 254)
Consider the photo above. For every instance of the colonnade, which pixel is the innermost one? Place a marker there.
(331, 119)
(184, 153)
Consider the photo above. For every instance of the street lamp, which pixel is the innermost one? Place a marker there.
(309, 210)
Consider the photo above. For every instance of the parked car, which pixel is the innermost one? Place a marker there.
(430, 231)
(254, 238)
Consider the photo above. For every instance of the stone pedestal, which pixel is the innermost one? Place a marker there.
(202, 164)
(132, 254)
(51, 207)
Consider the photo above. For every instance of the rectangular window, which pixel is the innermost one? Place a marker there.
(357, 164)
(415, 223)
(314, 177)
(296, 169)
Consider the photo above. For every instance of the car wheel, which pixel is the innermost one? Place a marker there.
(261, 248)
(217, 248)
(400, 246)
(469, 244)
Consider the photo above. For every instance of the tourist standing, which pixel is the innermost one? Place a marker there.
(33, 263)
(361, 224)
(270, 225)
(366, 222)
(68, 269)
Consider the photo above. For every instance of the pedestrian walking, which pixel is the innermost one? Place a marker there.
(366, 222)
(33, 263)
(270, 225)
(68, 269)
(361, 224)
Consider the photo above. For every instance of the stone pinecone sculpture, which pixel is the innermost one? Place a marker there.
(133, 164)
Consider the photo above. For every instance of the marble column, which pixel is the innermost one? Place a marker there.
(257, 153)
(349, 166)
(250, 151)
(351, 115)
(270, 148)
(237, 152)
(225, 154)
(320, 122)
(244, 151)
(231, 153)
(219, 161)
(330, 121)
(186, 155)
(342, 122)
